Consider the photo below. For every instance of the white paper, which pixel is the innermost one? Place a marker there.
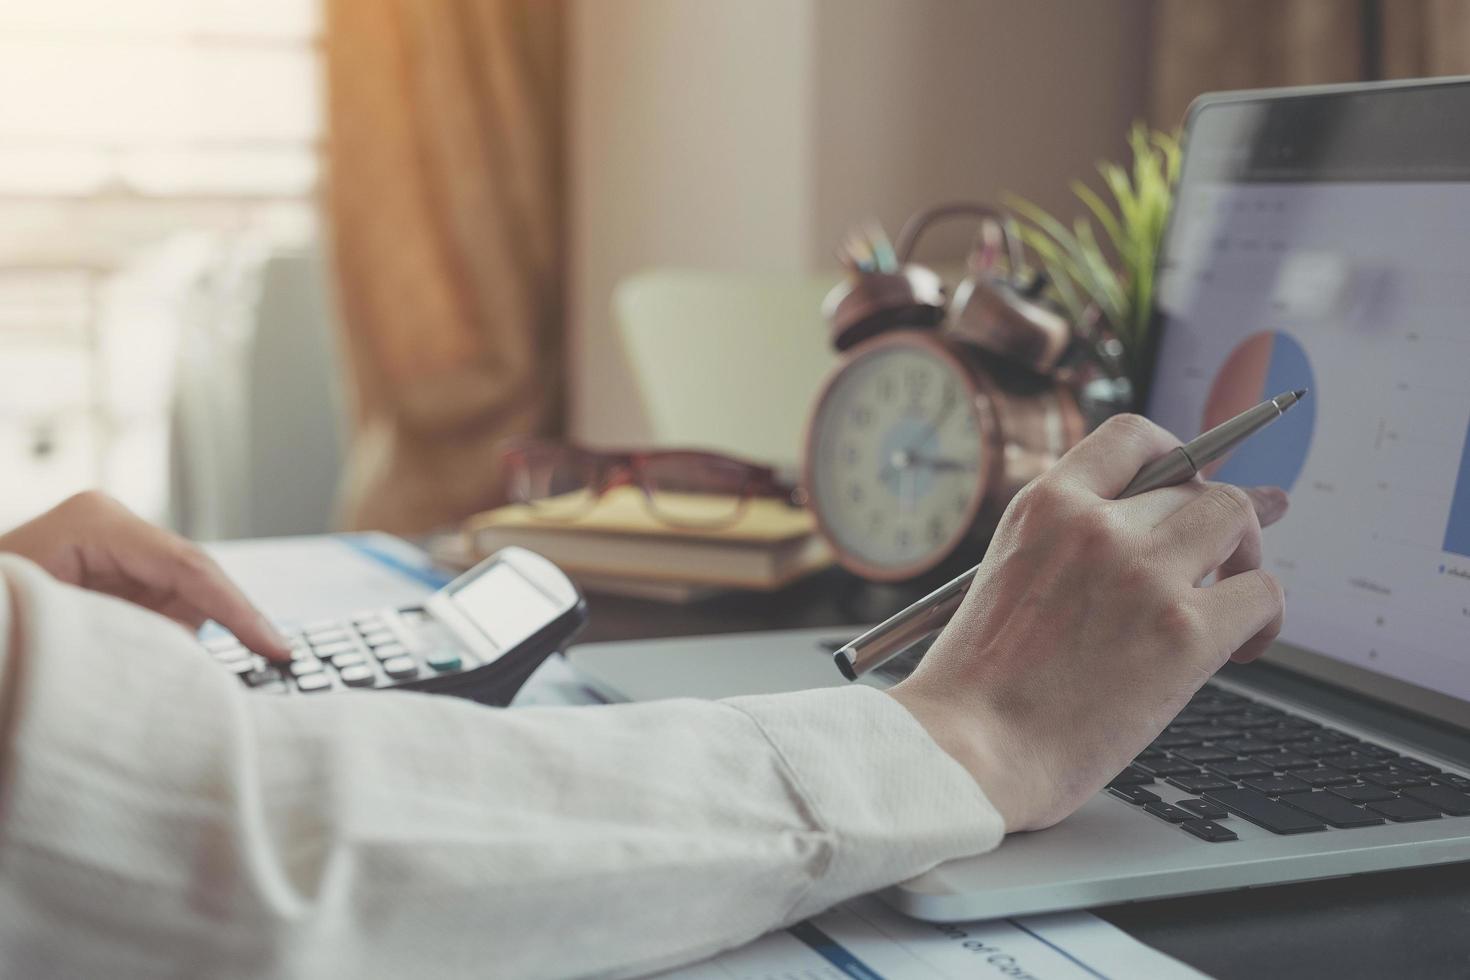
(301, 579)
(866, 940)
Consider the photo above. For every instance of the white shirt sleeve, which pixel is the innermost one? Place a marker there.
(157, 819)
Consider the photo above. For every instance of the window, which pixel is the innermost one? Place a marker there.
(142, 144)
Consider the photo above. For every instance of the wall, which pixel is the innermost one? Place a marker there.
(749, 135)
(688, 148)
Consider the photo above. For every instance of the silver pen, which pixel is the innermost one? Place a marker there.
(929, 615)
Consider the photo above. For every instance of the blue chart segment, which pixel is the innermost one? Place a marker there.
(1263, 365)
(1457, 534)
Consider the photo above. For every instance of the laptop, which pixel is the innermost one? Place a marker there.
(1320, 239)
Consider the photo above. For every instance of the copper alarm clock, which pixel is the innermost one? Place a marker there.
(928, 428)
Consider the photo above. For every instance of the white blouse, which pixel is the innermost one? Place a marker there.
(156, 819)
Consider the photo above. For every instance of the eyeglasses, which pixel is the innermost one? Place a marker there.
(680, 487)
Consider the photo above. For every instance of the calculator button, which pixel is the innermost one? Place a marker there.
(378, 638)
(243, 666)
(259, 678)
(302, 668)
(358, 675)
(221, 643)
(389, 651)
(400, 667)
(344, 660)
(311, 683)
(442, 660)
(232, 656)
(335, 647)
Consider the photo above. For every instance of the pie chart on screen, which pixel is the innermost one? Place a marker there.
(1261, 366)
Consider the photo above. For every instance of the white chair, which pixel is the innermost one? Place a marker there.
(726, 361)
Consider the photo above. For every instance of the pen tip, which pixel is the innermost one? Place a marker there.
(1300, 393)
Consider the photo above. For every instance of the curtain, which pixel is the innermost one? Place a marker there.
(444, 200)
(1206, 45)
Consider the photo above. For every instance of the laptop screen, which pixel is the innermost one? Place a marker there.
(1323, 241)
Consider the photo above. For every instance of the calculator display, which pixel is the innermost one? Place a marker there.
(503, 604)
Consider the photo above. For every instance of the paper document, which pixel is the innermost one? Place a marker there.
(300, 579)
(867, 940)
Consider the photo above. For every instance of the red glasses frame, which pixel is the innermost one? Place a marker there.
(602, 470)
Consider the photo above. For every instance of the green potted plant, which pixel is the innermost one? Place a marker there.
(1107, 280)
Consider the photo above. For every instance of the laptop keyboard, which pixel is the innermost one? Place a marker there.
(1243, 759)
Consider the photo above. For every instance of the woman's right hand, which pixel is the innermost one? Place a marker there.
(1092, 622)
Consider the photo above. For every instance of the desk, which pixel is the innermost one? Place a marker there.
(1413, 923)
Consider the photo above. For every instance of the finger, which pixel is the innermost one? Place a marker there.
(1217, 528)
(202, 584)
(170, 566)
(1245, 612)
(1108, 460)
(1157, 506)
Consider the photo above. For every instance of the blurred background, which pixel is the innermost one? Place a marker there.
(280, 266)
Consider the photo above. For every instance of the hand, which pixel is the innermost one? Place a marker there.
(1089, 627)
(92, 541)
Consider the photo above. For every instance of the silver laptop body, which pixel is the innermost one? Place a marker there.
(1320, 238)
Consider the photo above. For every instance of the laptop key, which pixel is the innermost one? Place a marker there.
(1450, 779)
(1168, 811)
(1209, 830)
(1319, 778)
(1212, 733)
(1395, 780)
(1239, 770)
(1136, 795)
(1204, 808)
(1150, 754)
(1359, 793)
(1167, 767)
(1275, 785)
(1203, 753)
(1265, 812)
(1414, 765)
(1370, 751)
(1353, 763)
(1335, 810)
(1132, 776)
(1198, 784)
(1404, 811)
(1173, 740)
(1248, 746)
(1443, 798)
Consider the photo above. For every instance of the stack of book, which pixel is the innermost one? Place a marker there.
(618, 547)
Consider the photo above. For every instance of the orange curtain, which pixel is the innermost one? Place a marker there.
(1207, 45)
(444, 200)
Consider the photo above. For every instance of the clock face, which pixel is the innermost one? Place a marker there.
(895, 463)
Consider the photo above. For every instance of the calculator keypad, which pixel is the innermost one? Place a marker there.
(364, 651)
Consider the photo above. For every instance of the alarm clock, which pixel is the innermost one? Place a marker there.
(916, 446)
(924, 432)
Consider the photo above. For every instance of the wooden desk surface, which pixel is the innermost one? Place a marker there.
(1413, 923)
